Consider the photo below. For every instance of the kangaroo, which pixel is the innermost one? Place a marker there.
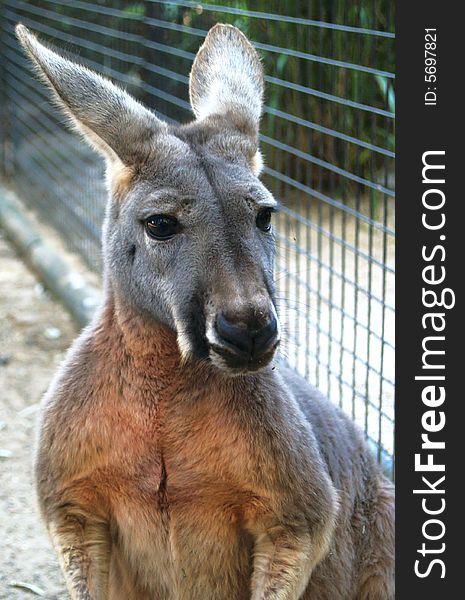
(177, 458)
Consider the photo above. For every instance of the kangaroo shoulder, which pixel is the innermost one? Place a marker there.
(67, 424)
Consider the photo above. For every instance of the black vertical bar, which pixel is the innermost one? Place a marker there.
(5, 116)
(429, 568)
(152, 10)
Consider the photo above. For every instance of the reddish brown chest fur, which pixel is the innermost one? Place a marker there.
(169, 468)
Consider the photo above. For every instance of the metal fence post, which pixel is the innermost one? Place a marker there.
(152, 10)
(4, 105)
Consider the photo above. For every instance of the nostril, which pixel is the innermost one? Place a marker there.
(266, 335)
(234, 335)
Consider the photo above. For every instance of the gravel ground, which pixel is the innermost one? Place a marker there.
(35, 332)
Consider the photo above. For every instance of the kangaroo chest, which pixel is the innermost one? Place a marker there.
(183, 509)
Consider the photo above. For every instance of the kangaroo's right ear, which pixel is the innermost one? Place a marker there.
(110, 119)
(227, 79)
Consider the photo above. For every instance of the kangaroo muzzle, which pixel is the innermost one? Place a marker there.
(245, 341)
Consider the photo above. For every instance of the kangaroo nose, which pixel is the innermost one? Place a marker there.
(253, 340)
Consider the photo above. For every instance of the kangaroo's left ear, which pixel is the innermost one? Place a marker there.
(227, 80)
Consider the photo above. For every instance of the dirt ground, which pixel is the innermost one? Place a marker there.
(35, 331)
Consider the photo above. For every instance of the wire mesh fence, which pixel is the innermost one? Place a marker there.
(328, 140)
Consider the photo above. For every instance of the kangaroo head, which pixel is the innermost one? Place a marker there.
(187, 238)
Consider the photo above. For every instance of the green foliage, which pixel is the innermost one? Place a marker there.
(135, 9)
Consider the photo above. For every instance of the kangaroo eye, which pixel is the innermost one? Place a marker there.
(162, 227)
(263, 220)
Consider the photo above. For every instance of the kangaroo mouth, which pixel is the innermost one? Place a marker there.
(231, 362)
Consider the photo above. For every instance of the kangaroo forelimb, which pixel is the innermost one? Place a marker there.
(283, 565)
(83, 547)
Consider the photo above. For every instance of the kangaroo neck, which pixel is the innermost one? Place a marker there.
(147, 351)
(142, 344)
